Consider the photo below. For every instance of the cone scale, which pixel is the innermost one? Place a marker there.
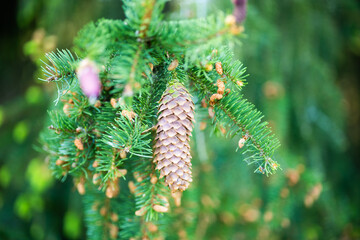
(172, 150)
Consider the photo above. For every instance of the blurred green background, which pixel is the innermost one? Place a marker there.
(303, 58)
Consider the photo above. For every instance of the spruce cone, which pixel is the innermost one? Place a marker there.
(172, 149)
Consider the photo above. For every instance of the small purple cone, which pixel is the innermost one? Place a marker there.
(240, 10)
(88, 75)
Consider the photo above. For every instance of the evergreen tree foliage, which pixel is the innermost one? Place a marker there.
(106, 146)
(299, 54)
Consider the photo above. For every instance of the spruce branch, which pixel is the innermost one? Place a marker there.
(100, 40)
(142, 66)
(60, 122)
(127, 135)
(232, 69)
(202, 35)
(146, 103)
(134, 66)
(146, 19)
(61, 70)
(105, 217)
(150, 191)
(143, 16)
(125, 74)
(243, 119)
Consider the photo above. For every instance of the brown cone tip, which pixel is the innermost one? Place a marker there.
(172, 150)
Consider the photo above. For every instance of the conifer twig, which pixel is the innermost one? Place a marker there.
(146, 20)
(144, 26)
(268, 165)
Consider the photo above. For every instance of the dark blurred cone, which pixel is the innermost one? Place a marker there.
(172, 149)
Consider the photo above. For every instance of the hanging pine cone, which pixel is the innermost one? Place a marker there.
(172, 149)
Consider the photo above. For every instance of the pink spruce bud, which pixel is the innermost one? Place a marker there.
(88, 75)
(239, 10)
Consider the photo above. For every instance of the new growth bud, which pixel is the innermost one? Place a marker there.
(88, 75)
